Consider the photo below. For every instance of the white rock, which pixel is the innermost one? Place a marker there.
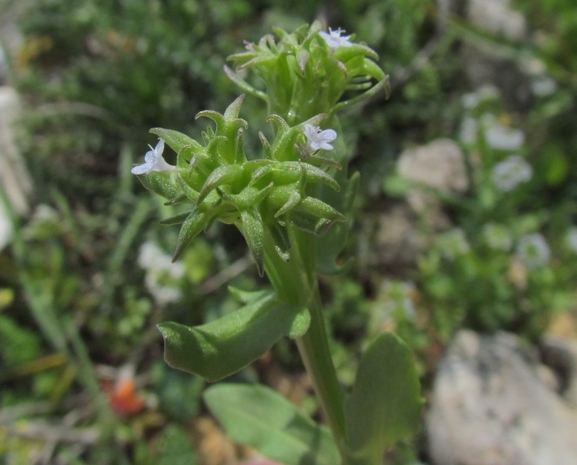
(439, 165)
(489, 406)
(498, 17)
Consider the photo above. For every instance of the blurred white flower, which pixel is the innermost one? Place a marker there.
(318, 139)
(511, 172)
(497, 236)
(334, 39)
(153, 161)
(163, 278)
(571, 238)
(533, 251)
(503, 138)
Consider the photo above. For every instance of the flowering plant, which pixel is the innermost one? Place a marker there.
(281, 202)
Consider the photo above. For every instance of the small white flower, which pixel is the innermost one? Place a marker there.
(571, 238)
(334, 39)
(511, 172)
(318, 139)
(533, 251)
(153, 161)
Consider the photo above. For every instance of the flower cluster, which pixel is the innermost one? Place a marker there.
(261, 197)
(308, 71)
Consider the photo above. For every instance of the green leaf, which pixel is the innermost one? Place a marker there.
(162, 183)
(177, 141)
(259, 417)
(177, 219)
(246, 297)
(194, 223)
(384, 405)
(223, 347)
(329, 249)
(222, 175)
(175, 447)
(253, 231)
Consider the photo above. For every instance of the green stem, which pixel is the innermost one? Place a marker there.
(294, 285)
(314, 350)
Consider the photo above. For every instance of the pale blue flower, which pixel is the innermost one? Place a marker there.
(511, 172)
(318, 139)
(334, 39)
(153, 161)
(533, 251)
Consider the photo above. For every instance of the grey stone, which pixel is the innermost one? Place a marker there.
(438, 166)
(490, 406)
(484, 63)
(561, 355)
(397, 241)
(498, 17)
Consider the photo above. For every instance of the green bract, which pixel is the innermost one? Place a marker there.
(261, 197)
(305, 76)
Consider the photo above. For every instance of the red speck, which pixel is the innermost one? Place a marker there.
(123, 398)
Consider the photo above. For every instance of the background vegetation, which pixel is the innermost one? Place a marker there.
(87, 275)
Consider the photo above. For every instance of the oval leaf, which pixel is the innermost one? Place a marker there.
(385, 403)
(259, 417)
(223, 347)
